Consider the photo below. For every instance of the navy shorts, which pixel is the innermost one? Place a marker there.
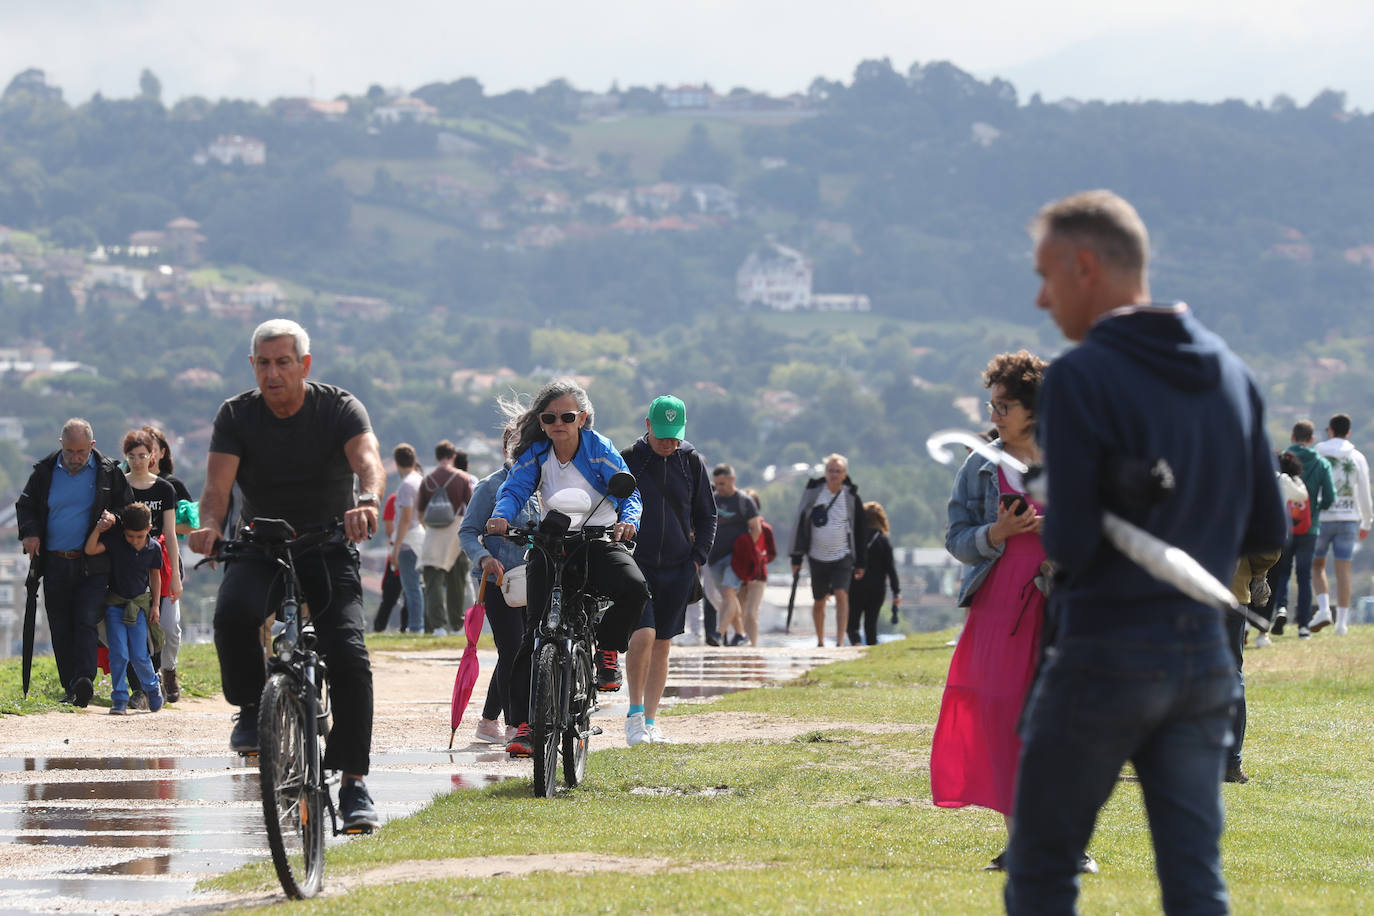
(830, 576)
(669, 589)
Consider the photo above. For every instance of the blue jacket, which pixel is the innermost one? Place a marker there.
(681, 477)
(971, 512)
(1152, 382)
(596, 459)
(472, 533)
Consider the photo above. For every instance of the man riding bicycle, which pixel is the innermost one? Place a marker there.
(294, 447)
(555, 449)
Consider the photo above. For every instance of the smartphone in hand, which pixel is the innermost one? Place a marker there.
(1015, 502)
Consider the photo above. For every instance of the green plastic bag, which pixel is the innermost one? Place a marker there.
(188, 513)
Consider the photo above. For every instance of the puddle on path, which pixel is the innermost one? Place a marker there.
(96, 836)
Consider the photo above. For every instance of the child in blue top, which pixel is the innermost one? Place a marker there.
(135, 577)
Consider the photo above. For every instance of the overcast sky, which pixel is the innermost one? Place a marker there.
(1167, 49)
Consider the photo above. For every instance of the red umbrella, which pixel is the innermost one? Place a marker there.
(468, 666)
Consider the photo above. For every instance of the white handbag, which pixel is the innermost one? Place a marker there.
(513, 587)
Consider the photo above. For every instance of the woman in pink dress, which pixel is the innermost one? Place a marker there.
(994, 529)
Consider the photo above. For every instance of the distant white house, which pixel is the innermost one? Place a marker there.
(117, 276)
(229, 149)
(405, 108)
(265, 295)
(776, 276)
(687, 97)
(780, 278)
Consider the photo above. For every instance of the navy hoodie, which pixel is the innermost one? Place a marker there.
(681, 477)
(1149, 382)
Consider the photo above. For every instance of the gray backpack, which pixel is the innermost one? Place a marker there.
(439, 511)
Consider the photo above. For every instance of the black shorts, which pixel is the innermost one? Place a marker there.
(669, 589)
(830, 576)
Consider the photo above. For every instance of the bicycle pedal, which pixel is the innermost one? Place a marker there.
(247, 753)
(596, 730)
(363, 830)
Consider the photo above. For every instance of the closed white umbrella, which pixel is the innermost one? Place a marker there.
(1162, 560)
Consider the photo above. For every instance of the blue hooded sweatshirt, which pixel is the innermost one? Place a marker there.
(1147, 382)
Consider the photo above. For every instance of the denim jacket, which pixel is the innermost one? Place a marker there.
(972, 511)
(472, 533)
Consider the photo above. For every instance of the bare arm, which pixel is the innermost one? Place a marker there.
(154, 589)
(402, 529)
(169, 518)
(366, 461)
(102, 524)
(220, 471)
(756, 527)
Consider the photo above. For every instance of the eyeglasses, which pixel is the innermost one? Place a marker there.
(568, 416)
(1001, 408)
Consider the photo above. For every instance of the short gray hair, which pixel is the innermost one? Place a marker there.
(835, 456)
(1099, 220)
(273, 328)
(76, 424)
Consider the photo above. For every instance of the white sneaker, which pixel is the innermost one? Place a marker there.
(440, 631)
(657, 737)
(1342, 620)
(955, 641)
(636, 732)
(490, 731)
(1319, 620)
(1263, 641)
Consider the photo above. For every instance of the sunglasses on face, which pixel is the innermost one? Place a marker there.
(1001, 408)
(568, 416)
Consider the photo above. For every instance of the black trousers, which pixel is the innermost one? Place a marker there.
(391, 593)
(865, 608)
(74, 601)
(508, 630)
(252, 591)
(612, 572)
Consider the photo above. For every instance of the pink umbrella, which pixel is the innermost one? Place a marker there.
(468, 666)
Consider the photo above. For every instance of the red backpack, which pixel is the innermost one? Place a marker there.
(1301, 515)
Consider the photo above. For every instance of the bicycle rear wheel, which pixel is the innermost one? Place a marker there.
(576, 734)
(546, 727)
(292, 802)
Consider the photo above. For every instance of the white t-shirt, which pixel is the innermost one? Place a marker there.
(831, 542)
(414, 536)
(555, 476)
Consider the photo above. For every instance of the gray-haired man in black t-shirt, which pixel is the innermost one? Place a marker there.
(294, 446)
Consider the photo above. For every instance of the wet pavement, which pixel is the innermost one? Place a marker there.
(82, 833)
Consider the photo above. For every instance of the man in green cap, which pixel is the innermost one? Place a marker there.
(676, 528)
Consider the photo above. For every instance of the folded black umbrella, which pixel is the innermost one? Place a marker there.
(792, 600)
(30, 616)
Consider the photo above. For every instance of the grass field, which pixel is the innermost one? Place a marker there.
(649, 140)
(840, 819)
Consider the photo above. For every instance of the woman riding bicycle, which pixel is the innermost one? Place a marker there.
(555, 449)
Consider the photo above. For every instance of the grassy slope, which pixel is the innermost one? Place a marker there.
(840, 819)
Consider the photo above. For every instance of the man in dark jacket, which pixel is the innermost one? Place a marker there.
(676, 529)
(1316, 476)
(66, 493)
(1137, 671)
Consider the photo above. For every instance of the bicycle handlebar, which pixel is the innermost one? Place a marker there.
(262, 535)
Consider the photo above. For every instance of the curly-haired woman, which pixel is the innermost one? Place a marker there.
(994, 528)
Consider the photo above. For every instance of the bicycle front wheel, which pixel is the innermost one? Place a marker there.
(292, 793)
(546, 727)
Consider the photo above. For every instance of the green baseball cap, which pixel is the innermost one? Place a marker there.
(668, 417)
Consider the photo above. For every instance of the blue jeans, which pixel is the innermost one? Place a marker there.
(1304, 548)
(128, 643)
(1160, 696)
(413, 612)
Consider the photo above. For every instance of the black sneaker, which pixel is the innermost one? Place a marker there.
(997, 863)
(1087, 865)
(67, 699)
(170, 688)
(1280, 617)
(712, 640)
(244, 738)
(608, 670)
(82, 691)
(138, 700)
(355, 807)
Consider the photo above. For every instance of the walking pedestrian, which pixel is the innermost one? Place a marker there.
(830, 534)
(866, 595)
(410, 536)
(65, 496)
(676, 529)
(1139, 672)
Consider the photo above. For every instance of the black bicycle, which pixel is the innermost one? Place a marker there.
(563, 676)
(293, 713)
